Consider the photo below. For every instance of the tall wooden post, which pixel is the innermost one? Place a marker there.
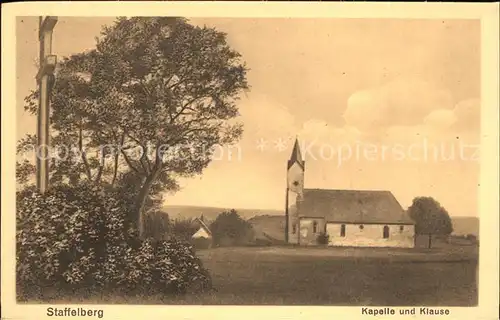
(287, 218)
(45, 80)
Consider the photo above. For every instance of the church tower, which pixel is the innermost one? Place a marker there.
(294, 192)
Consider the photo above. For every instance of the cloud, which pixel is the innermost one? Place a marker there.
(409, 134)
(442, 125)
(408, 110)
(321, 131)
(403, 102)
(265, 118)
(440, 118)
(468, 113)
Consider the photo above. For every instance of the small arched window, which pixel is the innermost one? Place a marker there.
(315, 226)
(342, 230)
(401, 228)
(386, 232)
(294, 228)
(361, 227)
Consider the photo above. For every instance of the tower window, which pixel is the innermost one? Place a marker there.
(386, 232)
(401, 228)
(342, 230)
(361, 227)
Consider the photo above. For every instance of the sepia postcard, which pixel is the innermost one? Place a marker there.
(208, 160)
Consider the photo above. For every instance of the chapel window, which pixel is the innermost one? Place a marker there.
(386, 232)
(342, 230)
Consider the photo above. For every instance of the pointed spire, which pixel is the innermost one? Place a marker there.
(296, 156)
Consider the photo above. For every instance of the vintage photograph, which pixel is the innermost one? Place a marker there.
(247, 161)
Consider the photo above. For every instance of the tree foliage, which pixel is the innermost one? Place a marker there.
(152, 100)
(323, 238)
(184, 228)
(230, 229)
(430, 217)
(157, 225)
(80, 236)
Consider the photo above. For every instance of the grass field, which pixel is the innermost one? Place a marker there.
(342, 276)
(329, 276)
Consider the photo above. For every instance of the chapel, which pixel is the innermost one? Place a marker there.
(356, 218)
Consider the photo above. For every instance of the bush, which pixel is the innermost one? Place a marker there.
(63, 236)
(75, 237)
(229, 229)
(184, 229)
(323, 238)
(472, 238)
(163, 266)
(157, 225)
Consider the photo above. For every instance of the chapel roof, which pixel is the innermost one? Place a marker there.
(296, 156)
(353, 206)
(203, 225)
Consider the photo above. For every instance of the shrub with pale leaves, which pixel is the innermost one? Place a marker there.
(81, 237)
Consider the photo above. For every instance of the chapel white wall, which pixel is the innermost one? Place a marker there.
(371, 235)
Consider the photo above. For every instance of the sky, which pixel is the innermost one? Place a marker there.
(377, 104)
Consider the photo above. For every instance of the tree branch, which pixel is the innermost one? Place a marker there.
(101, 163)
(168, 80)
(129, 163)
(101, 167)
(117, 155)
(181, 81)
(143, 161)
(183, 108)
(82, 152)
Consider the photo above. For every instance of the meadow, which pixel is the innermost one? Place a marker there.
(342, 276)
(327, 276)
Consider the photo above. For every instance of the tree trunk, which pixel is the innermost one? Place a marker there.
(141, 200)
(101, 166)
(82, 152)
(116, 153)
(115, 169)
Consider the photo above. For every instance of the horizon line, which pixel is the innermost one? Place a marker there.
(270, 209)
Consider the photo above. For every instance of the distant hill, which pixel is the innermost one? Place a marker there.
(465, 225)
(210, 213)
(271, 223)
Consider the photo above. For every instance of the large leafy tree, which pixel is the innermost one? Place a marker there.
(230, 229)
(430, 217)
(146, 106)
